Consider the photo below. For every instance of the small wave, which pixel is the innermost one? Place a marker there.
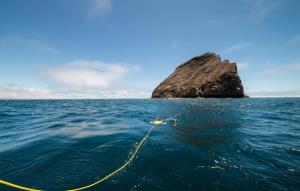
(292, 150)
(257, 142)
(211, 167)
(296, 150)
(5, 114)
(291, 170)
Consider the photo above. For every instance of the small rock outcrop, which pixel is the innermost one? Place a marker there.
(204, 76)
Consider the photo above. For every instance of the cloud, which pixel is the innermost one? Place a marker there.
(282, 69)
(242, 65)
(18, 92)
(28, 43)
(273, 71)
(21, 92)
(294, 66)
(237, 47)
(263, 8)
(80, 80)
(294, 41)
(288, 93)
(89, 74)
(99, 7)
(136, 69)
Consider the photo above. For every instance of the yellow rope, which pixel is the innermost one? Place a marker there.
(155, 122)
(17, 186)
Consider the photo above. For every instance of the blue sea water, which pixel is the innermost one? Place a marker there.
(214, 144)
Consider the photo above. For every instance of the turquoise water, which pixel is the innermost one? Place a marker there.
(214, 144)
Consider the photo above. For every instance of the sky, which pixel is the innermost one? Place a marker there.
(55, 49)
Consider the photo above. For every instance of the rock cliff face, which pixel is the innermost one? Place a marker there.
(203, 76)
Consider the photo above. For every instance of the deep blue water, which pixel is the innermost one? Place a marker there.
(215, 144)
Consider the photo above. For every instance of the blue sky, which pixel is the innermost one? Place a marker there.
(124, 48)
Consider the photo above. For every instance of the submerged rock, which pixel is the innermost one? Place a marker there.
(204, 76)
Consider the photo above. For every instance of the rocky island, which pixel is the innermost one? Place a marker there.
(204, 76)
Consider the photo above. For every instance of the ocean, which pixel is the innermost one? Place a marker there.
(205, 144)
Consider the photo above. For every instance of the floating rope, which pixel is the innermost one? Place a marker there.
(133, 155)
(17, 186)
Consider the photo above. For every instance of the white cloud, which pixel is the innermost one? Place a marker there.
(79, 74)
(237, 47)
(136, 69)
(28, 43)
(282, 69)
(288, 93)
(294, 66)
(242, 65)
(81, 80)
(21, 92)
(272, 71)
(99, 7)
(263, 8)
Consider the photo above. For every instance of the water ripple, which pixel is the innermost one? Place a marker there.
(207, 144)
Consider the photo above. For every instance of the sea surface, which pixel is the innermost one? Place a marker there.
(206, 144)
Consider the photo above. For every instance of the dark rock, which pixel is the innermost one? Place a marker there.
(203, 76)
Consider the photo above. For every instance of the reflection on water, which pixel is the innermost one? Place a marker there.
(203, 122)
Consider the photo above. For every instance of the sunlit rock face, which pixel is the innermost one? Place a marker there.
(204, 76)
